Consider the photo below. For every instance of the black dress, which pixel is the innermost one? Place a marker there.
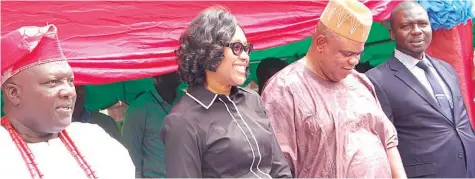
(209, 135)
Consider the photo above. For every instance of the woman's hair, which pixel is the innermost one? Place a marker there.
(202, 44)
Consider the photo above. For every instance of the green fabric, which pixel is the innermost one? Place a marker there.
(103, 96)
(379, 46)
(143, 121)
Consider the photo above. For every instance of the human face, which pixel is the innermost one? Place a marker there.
(47, 96)
(411, 30)
(339, 57)
(233, 68)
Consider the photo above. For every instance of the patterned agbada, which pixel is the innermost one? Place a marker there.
(329, 129)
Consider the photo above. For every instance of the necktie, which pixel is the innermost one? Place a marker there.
(438, 91)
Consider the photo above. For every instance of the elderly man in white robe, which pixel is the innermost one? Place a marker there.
(37, 138)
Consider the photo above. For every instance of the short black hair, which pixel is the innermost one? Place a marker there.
(202, 44)
(263, 72)
(408, 4)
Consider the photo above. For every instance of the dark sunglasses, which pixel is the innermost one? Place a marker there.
(238, 48)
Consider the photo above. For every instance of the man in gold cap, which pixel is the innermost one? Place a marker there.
(326, 115)
(37, 138)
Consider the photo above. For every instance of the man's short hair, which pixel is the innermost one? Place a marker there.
(268, 63)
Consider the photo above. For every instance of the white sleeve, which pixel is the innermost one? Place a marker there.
(107, 157)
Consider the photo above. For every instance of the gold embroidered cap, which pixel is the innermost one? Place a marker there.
(349, 18)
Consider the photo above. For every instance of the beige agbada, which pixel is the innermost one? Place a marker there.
(331, 129)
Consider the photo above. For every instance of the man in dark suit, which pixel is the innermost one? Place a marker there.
(421, 96)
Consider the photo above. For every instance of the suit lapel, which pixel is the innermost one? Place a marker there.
(448, 78)
(401, 72)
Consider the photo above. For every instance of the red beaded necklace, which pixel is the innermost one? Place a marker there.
(29, 158)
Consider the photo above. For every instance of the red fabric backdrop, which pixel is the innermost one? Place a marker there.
(455, 46)
(116, 41)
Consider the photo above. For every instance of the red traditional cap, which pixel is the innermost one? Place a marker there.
(27, 47)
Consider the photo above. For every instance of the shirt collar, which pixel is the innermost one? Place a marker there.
(206, 98)
(408, 61)
(179, 93)
(155, 95)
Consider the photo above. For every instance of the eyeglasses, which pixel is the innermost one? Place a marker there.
(238, 48)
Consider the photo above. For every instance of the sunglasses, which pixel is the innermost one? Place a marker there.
(238, 48)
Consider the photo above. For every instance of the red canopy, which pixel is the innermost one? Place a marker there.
(116, 41)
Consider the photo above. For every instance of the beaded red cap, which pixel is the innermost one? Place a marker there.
(27, 47)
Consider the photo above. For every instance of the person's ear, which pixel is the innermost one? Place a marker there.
(321, 41)
(12, 93)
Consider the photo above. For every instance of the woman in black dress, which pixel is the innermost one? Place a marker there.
(219, 129)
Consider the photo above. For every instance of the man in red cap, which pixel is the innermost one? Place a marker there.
(37, 137)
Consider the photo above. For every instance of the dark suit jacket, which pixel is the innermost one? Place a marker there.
(431, 145)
